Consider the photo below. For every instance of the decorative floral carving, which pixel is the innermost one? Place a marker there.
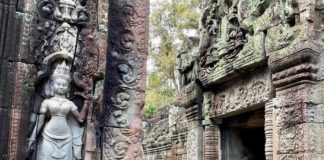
(132, 17)
(125, 83)
(291, 139)
(240, 96)
(65, 39)
(122, 144)
(69, 11)
(121, 100)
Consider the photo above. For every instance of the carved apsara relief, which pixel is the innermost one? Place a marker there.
(58, 28)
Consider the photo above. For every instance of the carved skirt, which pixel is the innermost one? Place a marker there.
(53, 149)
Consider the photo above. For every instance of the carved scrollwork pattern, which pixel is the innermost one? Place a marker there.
(125, 82)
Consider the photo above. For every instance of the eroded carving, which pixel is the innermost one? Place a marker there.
(70, 11)
(125, 82)
(247, 93)
(123, 143)
(61, 137)
(232, 38)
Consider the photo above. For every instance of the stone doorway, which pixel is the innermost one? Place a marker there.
(242, 136)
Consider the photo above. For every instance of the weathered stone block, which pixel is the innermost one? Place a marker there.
(195, 144)
(314, 138)
(4, 134)
(21, 33)
(7, 84)
(299, 113)
(17, 85)
(301, 138)
(307, 51)
(7, 14)
(25, 76)
(291, 140)
(191, 95)
(121, 143)
(19, 126)
(293, 95)
(305, 156)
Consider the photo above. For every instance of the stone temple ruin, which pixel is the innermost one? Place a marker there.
(73, 77)
(251, 86)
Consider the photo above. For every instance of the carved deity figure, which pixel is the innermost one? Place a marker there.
(60, 136)
(209, 33)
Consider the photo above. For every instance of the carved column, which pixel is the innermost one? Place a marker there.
(211, 142)
(125, 79)
(268, 129)
(211, 130)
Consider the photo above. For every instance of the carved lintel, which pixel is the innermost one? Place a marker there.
(243, 95)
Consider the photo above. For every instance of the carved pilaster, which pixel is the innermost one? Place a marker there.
(125, 79)
(195, 133)
(268, 129)
(211, 142)
(211, 131)
(296, 73)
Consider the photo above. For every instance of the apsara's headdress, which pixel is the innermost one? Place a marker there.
(62, 71)
(68, 2)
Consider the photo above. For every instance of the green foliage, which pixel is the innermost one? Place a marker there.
(170, 20)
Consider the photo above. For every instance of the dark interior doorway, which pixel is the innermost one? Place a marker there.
(243, 136)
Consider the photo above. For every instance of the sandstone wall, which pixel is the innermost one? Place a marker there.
(24, 35)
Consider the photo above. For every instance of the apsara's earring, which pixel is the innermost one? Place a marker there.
(52, 89)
